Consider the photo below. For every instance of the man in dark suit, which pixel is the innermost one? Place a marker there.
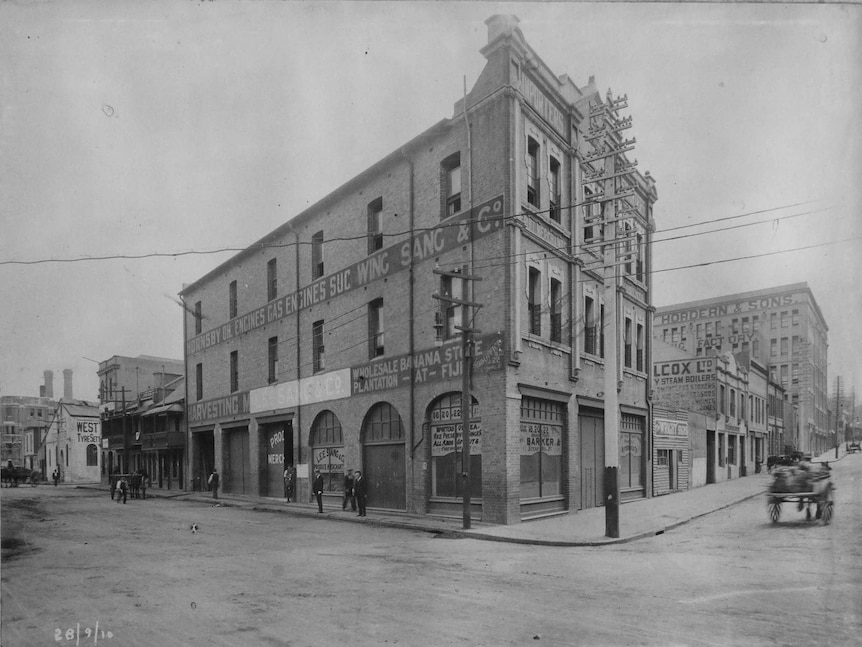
(360, 492)
(318, 490)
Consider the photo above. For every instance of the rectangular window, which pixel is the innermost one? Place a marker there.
(627, 354)
(451, 313)
(627, 254)
(784, 320)
(640, 258)
(272, 279)
(734, 326)
(785, 348)
(272, 360)
(375, 329)
(198, 317)
(773, 321)
(556, 311)
(733, 403)
(534, 301)
(746, 329)
(317, 255)
(731, 449)
(602, 331)
(773, 347)
(375, 225)
(794, 316)
(317, 347)
(722, 399)
(589, 213)
(232, 306)
(450, 172)
(662, 457)
(755, 323)
(590, 332)
(532, 172)
(234, 371)
(199, 381)
(640, 348)
(554, 189)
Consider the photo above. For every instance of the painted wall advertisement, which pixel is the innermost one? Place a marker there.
(447, 438)
(88, 430)
(685, 384)
(433, 365)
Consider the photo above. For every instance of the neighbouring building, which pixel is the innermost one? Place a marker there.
(24, 426)
(161, 427)
(73, 441)
(336, 341)
(710, 419)
(128, 387)
(781, 328)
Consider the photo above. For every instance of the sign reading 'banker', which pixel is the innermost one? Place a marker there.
(448, 235)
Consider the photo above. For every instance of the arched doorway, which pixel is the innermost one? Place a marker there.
(384, 465)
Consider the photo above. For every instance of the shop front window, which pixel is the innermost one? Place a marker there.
(327, 451)
(541, 447)
(446, 448)
(631, 451)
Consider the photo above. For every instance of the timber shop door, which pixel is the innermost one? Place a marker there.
(592, 433)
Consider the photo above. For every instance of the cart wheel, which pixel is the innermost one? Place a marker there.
(827, 512)
(774, 511)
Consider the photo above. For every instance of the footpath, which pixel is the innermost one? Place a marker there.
(638, 519)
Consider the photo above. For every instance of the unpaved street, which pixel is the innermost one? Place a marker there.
(72, 558)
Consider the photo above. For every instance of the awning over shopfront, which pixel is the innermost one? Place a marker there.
(164, 408)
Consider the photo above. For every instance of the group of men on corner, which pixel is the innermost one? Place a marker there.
(355, 491)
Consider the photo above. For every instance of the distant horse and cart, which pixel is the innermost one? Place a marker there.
(806, 484)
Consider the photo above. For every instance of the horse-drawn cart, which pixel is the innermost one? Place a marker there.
(806, 484)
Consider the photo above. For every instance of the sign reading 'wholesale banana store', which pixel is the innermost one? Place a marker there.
(448, 235)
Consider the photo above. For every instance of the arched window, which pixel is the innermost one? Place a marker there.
(446, 443)
(327, 450)
(383, 425)
(92, 455)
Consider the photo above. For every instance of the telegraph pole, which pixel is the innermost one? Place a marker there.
(467, 344)
(609, 149)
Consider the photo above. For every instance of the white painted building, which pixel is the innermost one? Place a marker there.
(74, 441)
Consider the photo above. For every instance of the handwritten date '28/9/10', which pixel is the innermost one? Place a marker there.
(77, 633)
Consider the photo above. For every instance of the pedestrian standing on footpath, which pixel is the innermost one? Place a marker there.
(288, 483)
(145, 483)
(213, 482)
(318, 490)
(122, 489)
(360, 492)
(348, 492)
(56, 476)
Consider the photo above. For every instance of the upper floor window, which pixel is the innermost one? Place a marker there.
(199, 381)
(234, 371)
(556, 311)
(640, 348)
(639, 254)
(198, 317)
(532, 172)
(534, 301)
(554, 190)
(232, 306)
(451, 184)
(794, 318)
(590, 328)
(317, 347)
(272, 360)
(627, 227)
(375, 328)
(627, 355)
(272, 279)
(450, 314)
(317, 255)
(375, 225)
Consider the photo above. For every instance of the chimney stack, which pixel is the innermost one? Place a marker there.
(501, 25)
(49, 384)
(67, 383)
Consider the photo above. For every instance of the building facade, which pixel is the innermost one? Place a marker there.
(128, 388)
(781, 328)
(73, 442)
(338, 340)
(24, 426)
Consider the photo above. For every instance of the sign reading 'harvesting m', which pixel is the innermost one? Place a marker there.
(448, 235)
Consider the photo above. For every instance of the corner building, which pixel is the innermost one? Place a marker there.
(322, 346)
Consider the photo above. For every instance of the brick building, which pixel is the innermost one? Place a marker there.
(322, 346)
(781, 328)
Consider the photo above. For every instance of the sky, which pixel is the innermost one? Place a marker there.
(162, 128)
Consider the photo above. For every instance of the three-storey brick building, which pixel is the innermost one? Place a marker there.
(322, 346)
